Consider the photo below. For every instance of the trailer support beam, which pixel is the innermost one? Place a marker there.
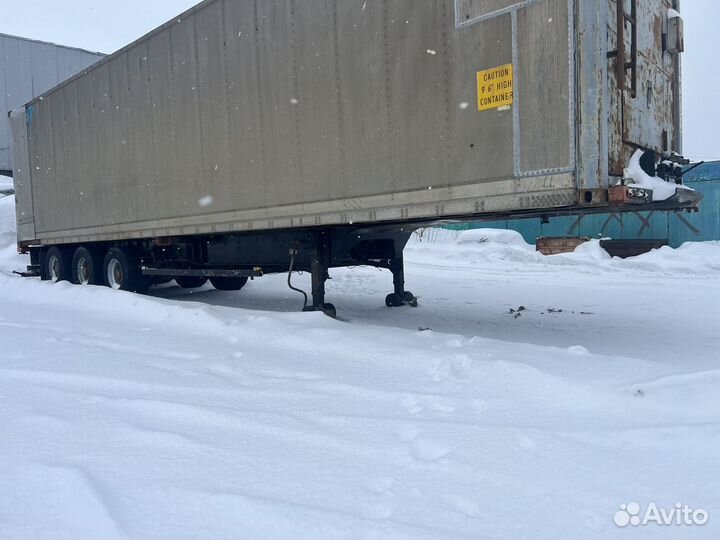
(319, 274)
(400, 297)
(397, 267)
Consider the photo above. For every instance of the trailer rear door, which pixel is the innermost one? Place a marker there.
(21, 176)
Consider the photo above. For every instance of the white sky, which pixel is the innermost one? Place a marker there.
(107, 25)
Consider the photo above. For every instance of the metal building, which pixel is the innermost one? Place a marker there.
(28, 69)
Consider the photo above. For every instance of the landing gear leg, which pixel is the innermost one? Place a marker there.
(319, 270)
(400, 297)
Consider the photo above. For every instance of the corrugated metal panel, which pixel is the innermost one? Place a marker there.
(27, 69)
(707, 220)
(707, 171)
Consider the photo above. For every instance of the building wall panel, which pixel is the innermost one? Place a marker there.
(27, 69)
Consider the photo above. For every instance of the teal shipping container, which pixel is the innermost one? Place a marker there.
(675, 228)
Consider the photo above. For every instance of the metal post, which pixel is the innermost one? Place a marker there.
(397, 267)
(319, 275)
(319, 269)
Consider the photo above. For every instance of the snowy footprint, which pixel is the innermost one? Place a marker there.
(429, 450)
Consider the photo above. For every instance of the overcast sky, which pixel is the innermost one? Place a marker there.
(107, 25)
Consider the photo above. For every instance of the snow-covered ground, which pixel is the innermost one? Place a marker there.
(6, 183)
(231, 415)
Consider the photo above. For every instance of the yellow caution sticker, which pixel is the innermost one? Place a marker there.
(495, 87)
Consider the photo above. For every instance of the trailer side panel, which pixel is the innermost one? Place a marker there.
(271, 114)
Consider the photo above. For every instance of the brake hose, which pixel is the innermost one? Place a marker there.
(294, 252)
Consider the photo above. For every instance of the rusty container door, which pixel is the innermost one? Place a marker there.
(644, 71)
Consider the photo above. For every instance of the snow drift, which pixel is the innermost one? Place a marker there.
(185, 414)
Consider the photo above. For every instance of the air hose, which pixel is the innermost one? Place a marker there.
(294, 252)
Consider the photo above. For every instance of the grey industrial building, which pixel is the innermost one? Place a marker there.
(28, 69)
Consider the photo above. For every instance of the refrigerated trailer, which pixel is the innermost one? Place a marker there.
(248, 137)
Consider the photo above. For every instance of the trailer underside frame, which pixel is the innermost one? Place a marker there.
(228, 260)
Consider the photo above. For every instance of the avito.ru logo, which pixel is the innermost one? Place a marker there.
(680, 514)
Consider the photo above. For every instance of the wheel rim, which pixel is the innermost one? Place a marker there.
(115, 276)
(54, 268)
(82, 271)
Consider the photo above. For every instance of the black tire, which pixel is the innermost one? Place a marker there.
(190, 282)
(57, 264)
(121, 270)
(87, 267)
(228, 283)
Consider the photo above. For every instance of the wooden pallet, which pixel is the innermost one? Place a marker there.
(553, 246)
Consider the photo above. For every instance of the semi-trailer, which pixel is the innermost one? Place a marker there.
(249, 137)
